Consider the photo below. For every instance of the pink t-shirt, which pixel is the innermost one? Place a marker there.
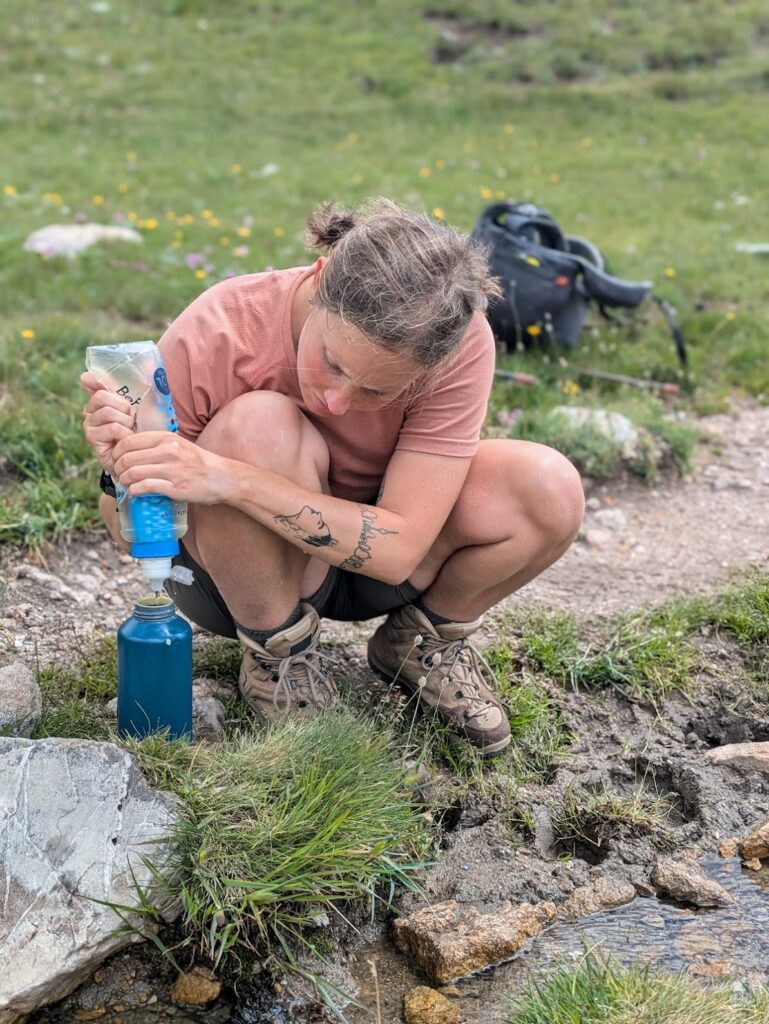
(236, 337)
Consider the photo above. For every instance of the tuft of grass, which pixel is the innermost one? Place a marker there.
(75, 693)
(272, 827)
(535, 722)
(585, 821)
(743, 611)
(599, 991)
(646, 654)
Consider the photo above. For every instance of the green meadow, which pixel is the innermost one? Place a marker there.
(215, 129)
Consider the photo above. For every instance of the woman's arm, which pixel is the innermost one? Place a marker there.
(385, 541)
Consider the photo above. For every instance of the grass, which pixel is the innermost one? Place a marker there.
(193, 123)
(311, 815)
(584, 821)
(598, 991)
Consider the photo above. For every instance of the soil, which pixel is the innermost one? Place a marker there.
(639, 546)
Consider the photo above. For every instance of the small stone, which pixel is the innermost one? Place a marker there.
(71, 239)
(754, 864)
(593, 504)
(613, 519)
(196, 988)
(207, 719)
(728, 848)
(685, 880)
(21, 701)
(748, 756)
(757, 843)
(597, 538)
(451, 991)
(93, 1014)
(602, 894)
(423, 1005)
(450, 941)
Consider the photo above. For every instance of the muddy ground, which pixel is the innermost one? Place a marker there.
(639, 546)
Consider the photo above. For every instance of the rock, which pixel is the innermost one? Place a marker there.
(613, 519)
(685, 880)
(450, 941)
(423, 1005)
(754, 864)
(757, 843)
(729, 848)
(57, 590)
(71, 239)
(597, 538)
(207, 719)
(196, 987)
(602, 894)
(76, 819)
(749, 756)
(21, 702)
(593, 504)
(613, 425)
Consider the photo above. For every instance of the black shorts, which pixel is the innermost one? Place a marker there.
(344, 596)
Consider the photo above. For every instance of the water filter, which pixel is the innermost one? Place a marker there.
(154, 651)
(152, 523)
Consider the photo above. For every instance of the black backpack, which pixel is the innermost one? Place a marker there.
(549, 279)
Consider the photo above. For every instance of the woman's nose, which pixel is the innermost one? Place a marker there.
(338, 399)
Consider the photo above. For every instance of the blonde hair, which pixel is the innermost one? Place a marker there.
(402, 279)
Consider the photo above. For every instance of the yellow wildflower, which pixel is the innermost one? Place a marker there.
(28, 334)
(534, 330)
(10, 190)
(570, 387)
(214, 222)
(235, 168)
(149, 224)
(170, 215)
(424, 172)
(279, 232)
(352, 138)
(670, 271)
(200, 274)
(730, 314)
(122, 188)
(97, 200)
(586, 143)
(554, 178)
(224, 240)
(176, 244)
(440, 164)
(206, 214)
(53, 198)
(438, 213)
(131, 216)
(509, 129)
(131, 157)
(244, 232)
(486, 192)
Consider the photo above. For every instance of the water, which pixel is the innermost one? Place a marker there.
(730, 943)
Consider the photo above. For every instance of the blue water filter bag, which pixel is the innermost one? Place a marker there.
(154, 653)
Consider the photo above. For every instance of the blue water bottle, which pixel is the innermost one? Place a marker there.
(154, 654)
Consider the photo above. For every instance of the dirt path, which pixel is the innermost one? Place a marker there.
(639, 546)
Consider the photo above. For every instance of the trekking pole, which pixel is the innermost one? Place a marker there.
(664, 387)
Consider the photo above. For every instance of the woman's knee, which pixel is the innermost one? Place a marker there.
(514, 481)
(550, 490)
(266, 429)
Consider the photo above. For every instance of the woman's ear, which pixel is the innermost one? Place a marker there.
(320, 262)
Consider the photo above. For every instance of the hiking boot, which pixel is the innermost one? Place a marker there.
(447, 673)
(285, 675)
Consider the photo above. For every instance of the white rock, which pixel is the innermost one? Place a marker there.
(21, 703)
(613, 519)
(71, 239)
(76, 817)
(614, 425)
(207, 719)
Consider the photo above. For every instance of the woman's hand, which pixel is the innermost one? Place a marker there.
(161, 462)
(107, 419)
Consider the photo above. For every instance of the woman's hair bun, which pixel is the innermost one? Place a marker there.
(327, 225)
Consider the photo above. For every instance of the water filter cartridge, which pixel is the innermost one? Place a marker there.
(153, 523)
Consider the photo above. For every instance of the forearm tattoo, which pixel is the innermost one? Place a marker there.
(309, 526)
(367, 529)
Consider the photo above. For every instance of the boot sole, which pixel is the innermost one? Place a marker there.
(388, 677)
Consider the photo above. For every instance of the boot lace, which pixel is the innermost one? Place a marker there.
(444, 654)
(301, 675)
